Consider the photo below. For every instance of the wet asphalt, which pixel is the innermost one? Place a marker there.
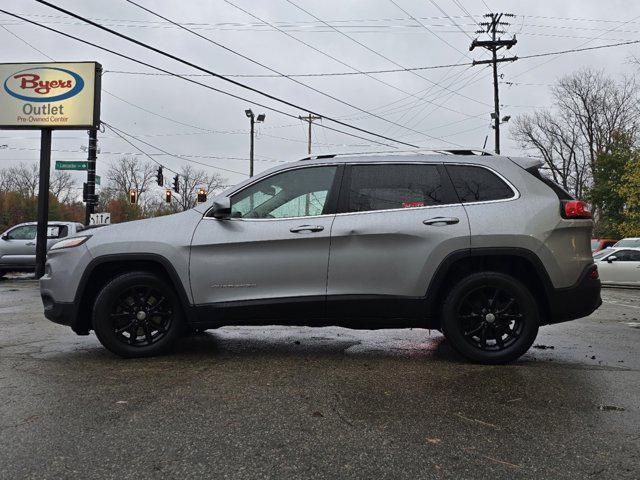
(276, 402)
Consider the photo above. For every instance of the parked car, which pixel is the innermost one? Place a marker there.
(481, 247)
(598, 244)
(630, 242)
(18, 244)
(619, 266)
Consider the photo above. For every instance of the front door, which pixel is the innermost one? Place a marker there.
(624, 269)
(271, 256)
(395, 224)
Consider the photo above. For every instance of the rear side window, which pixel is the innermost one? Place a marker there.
(559, 191)
(385, 187)
(477, 184)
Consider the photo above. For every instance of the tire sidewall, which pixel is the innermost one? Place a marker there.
(102, 324)
(451, 323)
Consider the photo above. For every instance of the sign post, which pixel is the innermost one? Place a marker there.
(47, 97)
(43, 201)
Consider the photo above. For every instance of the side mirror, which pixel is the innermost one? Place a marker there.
(222, 208)
(611, 259)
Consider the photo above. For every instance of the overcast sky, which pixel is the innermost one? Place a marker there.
(445, 107)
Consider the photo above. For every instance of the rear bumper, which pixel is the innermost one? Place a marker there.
(577, 301)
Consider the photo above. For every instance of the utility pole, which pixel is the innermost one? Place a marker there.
(253, 119)
(92, 154)
(309, 118)
(493, 27)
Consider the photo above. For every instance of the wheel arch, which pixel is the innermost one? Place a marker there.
(520, 263)
(101, 269)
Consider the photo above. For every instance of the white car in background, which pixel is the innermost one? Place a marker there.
(619, 265)
(629, 242)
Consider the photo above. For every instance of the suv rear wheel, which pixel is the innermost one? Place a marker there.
(490, 317)
(137, 314)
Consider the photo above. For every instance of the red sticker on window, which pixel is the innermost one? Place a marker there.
(412, 204)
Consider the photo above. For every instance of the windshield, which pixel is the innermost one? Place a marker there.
(602, 253)
(594, 244)
(628, 242)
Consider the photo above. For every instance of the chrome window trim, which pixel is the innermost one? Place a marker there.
(259, 179)
(516, 192)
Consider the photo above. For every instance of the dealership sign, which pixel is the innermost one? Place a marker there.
(50, 95)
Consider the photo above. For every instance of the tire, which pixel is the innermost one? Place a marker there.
(490, 318)
(138, 314)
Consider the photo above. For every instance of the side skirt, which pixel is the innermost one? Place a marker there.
(349, 311)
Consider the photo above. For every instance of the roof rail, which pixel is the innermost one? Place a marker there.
(478, 152)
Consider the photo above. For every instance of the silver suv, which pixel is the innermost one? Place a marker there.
(481, 247)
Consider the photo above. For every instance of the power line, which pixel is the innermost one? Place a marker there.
(572, 50)
(328, 55)
(245, 57)
(302, 75)
(222, 77)
(450, 19)
(375, 52)
(238, 97)
(120, 134)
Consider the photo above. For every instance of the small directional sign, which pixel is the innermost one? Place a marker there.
(71, 165)
(98, 179)
(100, 219)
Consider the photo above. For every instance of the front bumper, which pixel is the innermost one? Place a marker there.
(577, 301)
(58, 312)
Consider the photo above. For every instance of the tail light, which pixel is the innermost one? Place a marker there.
(593, 273)
(574, 209)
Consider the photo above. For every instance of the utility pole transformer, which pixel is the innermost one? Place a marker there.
(309, 118)
(493, 27)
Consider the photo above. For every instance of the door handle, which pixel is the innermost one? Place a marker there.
(307, 228)
(31, 244)
(440, 221)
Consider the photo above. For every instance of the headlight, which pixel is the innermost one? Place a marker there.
(70, 242)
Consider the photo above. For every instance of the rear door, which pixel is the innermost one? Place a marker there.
(395, 225)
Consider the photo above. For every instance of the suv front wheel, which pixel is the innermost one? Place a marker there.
(137, 314)
(490, 317)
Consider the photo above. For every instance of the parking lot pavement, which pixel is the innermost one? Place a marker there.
(275, 402)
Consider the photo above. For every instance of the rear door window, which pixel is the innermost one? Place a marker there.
(393, 186)
(478, 184)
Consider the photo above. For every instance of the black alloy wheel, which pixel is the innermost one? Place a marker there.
(141, 315)
(138, 314)
(490, 317)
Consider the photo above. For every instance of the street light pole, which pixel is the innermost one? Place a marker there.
(253, 120)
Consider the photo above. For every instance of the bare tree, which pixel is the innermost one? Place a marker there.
(129, 173)
(190, 181)
(62, 185)
(590, 110)
(22, 178)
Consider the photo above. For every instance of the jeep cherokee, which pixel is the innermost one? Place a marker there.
(481, 247)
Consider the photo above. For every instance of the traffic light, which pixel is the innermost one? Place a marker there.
(202, 195)
(160, 177)
(167, 195)
(176, 184)
(133, 197)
